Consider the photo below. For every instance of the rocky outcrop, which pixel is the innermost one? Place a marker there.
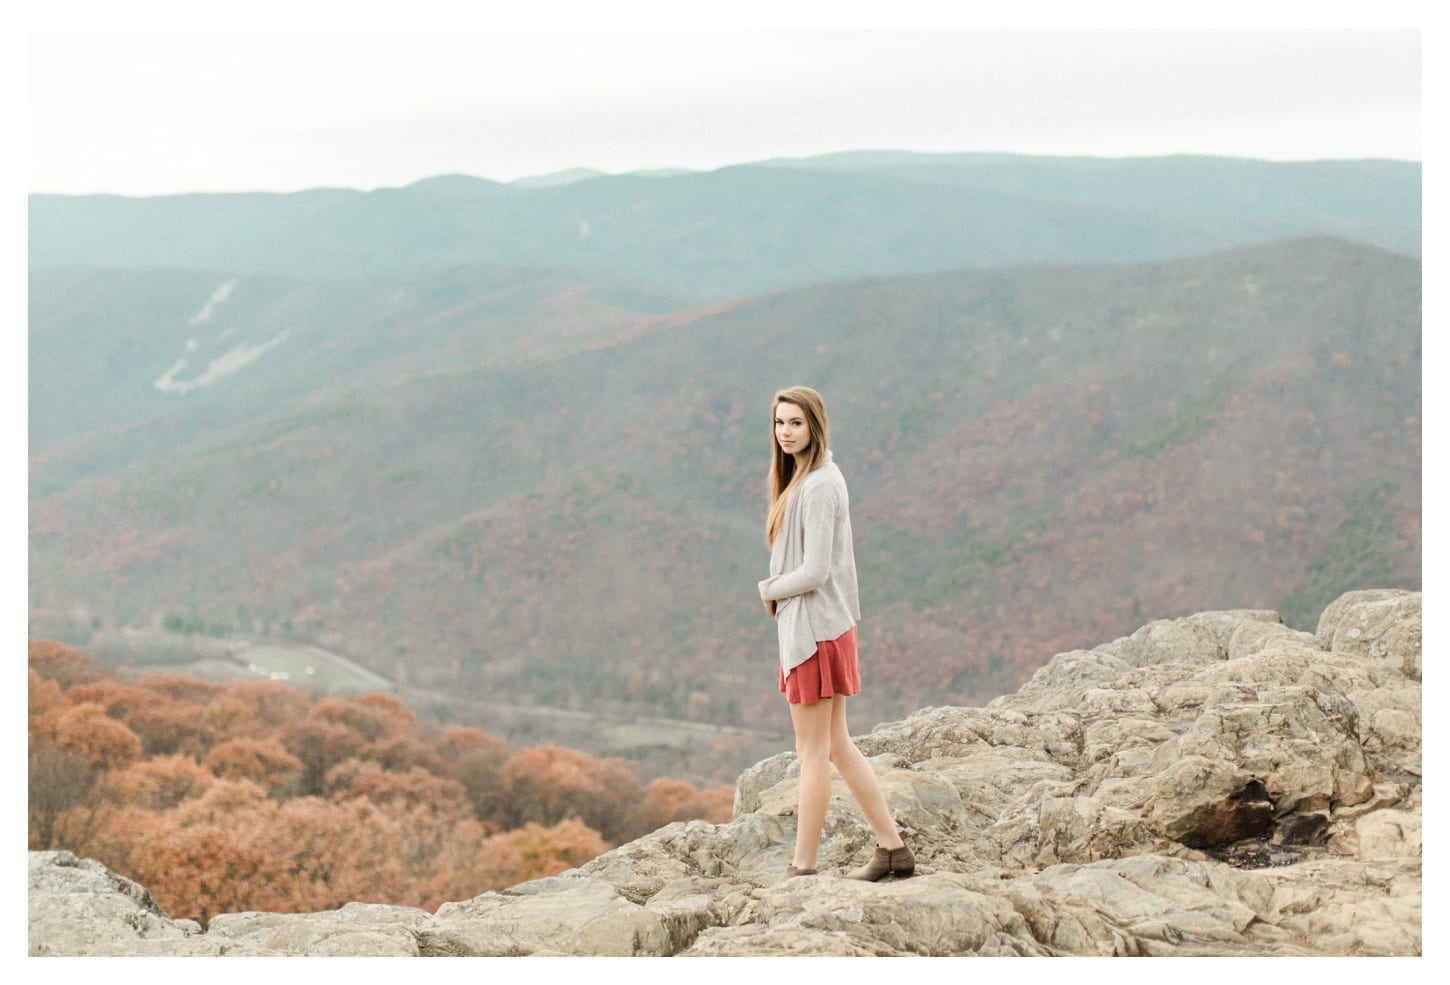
(1213, 785)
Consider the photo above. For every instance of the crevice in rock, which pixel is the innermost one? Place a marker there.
(1244, 814)
(1301, 829)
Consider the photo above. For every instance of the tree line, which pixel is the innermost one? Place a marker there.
(256, 795)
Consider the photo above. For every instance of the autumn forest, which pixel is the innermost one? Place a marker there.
(255, 795)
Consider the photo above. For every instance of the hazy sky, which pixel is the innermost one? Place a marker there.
(145, 112)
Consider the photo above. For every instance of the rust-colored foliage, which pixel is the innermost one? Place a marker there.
(253, 795)
(476, 760)
(63, 664)
(158, 784)
(164, 724)
(263, 761)
(405, 752)
(415, 788)
(321, 745)
(548, 784)
(669, 800)
(181, 687)
(373, 716)
(254, 709)
(60, 783)
(86, 732)
(44, 695)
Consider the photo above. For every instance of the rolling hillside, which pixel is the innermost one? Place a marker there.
(546, 485)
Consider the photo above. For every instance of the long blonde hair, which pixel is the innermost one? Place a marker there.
(784, 477)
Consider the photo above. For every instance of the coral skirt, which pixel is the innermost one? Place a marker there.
(830, 671)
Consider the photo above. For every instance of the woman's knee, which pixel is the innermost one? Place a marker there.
(812, 749)
(842, 749)
(843, 752)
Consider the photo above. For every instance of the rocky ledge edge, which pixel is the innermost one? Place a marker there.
(1218, 784)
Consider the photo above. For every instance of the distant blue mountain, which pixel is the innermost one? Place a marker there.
(752, 228)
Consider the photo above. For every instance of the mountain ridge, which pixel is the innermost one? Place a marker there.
(750, 228)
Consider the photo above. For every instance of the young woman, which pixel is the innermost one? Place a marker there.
(811, 592)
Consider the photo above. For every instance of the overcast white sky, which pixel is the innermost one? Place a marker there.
(144, 112)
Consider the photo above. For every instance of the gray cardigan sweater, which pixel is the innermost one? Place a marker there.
(812, 567)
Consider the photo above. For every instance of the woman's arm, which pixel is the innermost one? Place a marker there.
(819, 507)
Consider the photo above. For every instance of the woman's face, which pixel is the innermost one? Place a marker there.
(791, 431)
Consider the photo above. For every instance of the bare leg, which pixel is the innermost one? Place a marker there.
(860, 778)
(812, 724)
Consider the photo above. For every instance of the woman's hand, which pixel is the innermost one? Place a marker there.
(770, 607)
